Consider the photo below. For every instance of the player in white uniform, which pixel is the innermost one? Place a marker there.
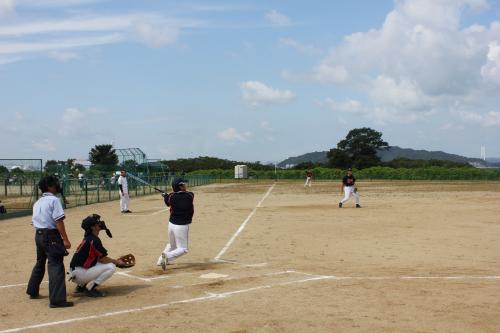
(309, 176)
(181, 206)
(349, 188)
(123, 187)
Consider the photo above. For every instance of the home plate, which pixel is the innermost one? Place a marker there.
(213, 276)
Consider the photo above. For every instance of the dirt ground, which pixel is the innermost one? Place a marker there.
(418, 257)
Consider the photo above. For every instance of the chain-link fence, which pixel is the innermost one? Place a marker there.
(18, 199)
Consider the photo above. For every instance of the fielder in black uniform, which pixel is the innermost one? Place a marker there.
(348, 188)
(181, 206)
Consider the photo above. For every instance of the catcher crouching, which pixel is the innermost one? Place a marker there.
(90, 265)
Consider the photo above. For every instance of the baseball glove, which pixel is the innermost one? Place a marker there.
(128, 260)
(355, 190)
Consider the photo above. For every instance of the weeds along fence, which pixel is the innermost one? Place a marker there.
(374, 173)
(18, 197)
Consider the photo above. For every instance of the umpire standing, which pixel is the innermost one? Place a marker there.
(51, 243)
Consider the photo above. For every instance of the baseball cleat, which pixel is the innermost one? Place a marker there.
(358, 206)
(340, 204)
(94, 293)
(80, 289)
(164, 261)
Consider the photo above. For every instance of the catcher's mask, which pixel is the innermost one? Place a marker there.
(94, 219)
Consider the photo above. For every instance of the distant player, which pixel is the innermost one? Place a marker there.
(181, 206)
(309, 176)
(349, 188)
(123, 188)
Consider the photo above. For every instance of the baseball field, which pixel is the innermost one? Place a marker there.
(276, 257)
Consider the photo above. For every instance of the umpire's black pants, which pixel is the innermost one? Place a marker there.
(49, 245)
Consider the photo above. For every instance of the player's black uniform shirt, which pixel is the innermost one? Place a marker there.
(348, 180)
(181, 207)
(88, 252)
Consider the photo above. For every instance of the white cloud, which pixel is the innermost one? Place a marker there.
(294, 77)
(265, 125)
(350, 106)
(55, 45)
(420, 61)
(328, 73)
(405, 94)
(488, 119)
(277, 18)
(302, 48)
(491, 70)
(56, 35)
(233, 135)
(7, 7)
(44, 145)
(257, 93)
(63, 56)
(157, 35)
(379, 115)
(78, 123)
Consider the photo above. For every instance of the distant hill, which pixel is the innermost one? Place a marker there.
(315, 157)
(394, 152)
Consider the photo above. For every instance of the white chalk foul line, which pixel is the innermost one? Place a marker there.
(243, 225)
(158, 306)
(17, 285)
(234, 262)
(149, 214)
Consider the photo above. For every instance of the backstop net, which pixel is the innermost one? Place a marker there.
(19, 186)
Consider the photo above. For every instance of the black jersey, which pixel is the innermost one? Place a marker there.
(88, 252)
(348, 180)
(181, 207)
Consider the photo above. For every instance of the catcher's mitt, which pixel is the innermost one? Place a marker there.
(128, 260)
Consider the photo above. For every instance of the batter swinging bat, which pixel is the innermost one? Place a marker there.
(145, 182)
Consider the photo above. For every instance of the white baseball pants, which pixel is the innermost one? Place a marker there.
(94, 275)
(178, 241)
(348, 191)
(308, 182)
(124, 200)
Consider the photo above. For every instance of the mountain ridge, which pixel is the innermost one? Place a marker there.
(390, 154)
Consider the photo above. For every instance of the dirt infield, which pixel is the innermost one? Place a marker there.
(418, 257)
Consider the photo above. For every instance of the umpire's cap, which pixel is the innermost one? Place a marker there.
(177, 182)
(94, 219)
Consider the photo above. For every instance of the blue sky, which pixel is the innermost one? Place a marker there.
(247, 80)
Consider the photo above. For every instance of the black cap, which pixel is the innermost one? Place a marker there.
(92, 220)
(89, 221)
(178, 181)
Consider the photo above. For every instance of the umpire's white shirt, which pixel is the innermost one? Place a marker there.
(124, 183)
(46, 211)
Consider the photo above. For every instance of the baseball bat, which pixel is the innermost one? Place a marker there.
(145, 182)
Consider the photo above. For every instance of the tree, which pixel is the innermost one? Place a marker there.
(78, 168)
(3, 169)
(358, 149)
(51, 166)
(103, 157)
(130, 165)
